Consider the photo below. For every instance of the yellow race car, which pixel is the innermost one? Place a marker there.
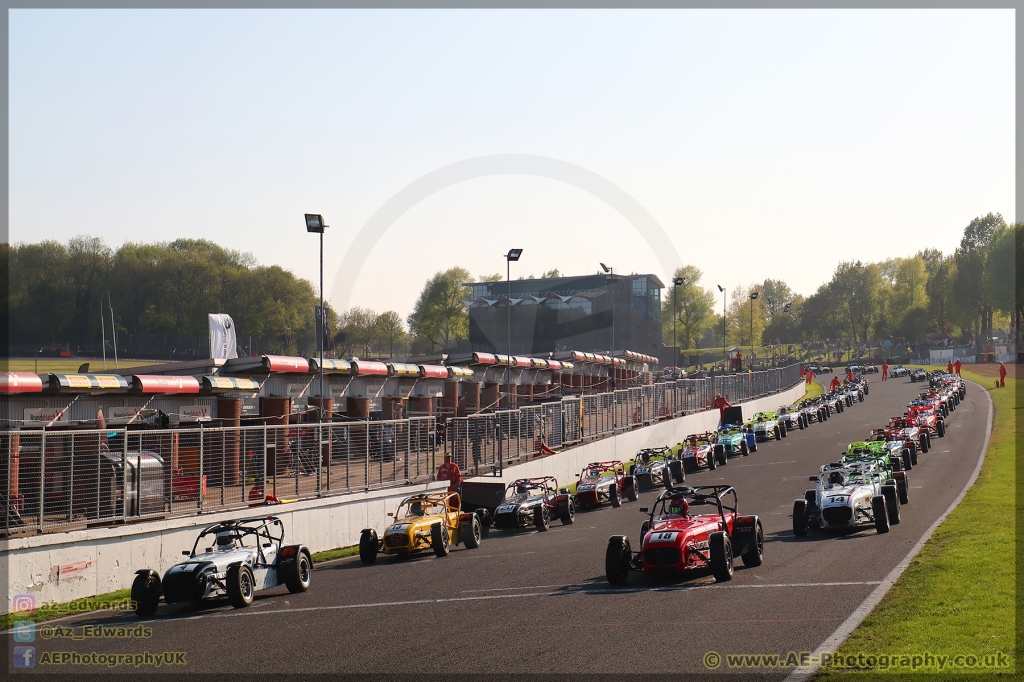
(424, 521)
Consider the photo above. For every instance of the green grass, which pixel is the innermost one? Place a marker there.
(332, 554)
(813, 391)
(957, 596)
(64, 365)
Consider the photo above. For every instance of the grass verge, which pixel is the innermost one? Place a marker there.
(69, 366)
(957, 597)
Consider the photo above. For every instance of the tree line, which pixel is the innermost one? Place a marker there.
(161, 293)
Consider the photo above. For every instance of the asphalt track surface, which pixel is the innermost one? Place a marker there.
(531, 602)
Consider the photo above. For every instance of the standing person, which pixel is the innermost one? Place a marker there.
(957, 366)
(885, 370)
(834, 384)
(1002, 375)
(720, 403)
(949, 367)
(450, 472)
(849, 374)
(810, 376)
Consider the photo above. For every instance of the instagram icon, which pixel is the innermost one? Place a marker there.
(23, 603)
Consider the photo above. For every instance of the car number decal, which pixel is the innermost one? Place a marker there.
(663, 536)
(398, 530)
(643, 471)
(589, 486)
(506, 508)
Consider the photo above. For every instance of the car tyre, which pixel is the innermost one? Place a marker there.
(800, 422)
(892, 502)
(800, 518)
(568, 515)
(474, 532)
(540, 518)
(913, 455)
(675, 467)
(617, 559)
(744, 450)
(720, 551)
(906, 459)
(784, 429)
(880, 513)
(439, 540)
(368, 546)
(146, 594)
(613, 495)
(755, 555)
(925, 445)
(902, 487)
(940, 428)
(631, 492)
(241, 586)
(300, 578)
(712, 465)
(778, 432)
(721, 455)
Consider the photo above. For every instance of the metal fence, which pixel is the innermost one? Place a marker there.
(67, 479)
(61, 480)
(485, 443)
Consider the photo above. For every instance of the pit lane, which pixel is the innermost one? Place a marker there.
(533, 602)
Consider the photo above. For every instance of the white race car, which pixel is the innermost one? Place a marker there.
(242, 557)
(848, 497)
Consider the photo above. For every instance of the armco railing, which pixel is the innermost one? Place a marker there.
(63, 480)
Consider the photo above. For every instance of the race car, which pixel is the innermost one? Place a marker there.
(534, 502)
(889, 457)
(853, 392)
(689, 529)
(918, 375)
(605, 482)
(659, 466)
(927, 419)
(736, 439)
(792, 417)
(898, 371)
(904, 431)
(702, 449)
(814, 409)
(869, 368)
(429, 521)
(766, 426)
(238, 558)
(848, 498)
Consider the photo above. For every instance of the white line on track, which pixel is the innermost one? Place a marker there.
(491, 556)
(503, 589)
(484, 597)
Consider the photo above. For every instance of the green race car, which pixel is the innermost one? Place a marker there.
(766, 426)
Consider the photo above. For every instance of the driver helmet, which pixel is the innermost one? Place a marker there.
(225, 541)
(416, 508)
(522, 490)
(679, 506)
(836, 477)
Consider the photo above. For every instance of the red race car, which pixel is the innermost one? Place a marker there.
(926, 417)
(689, 529)
(702, 449)
(605, 482)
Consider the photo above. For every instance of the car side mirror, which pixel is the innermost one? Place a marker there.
(209, 549)
(812, 478)
(391, 513)
(266, 544)
(185, 552)
(644, 510)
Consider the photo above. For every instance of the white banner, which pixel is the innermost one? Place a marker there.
(46, 414)
(222, 337)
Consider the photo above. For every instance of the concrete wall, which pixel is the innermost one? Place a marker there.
(65, 566)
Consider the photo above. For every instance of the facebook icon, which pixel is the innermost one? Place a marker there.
(24, 657)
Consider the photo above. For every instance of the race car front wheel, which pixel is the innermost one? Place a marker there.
(881, 514)
(892, 502)
(568, 513)
(940, 427)
(241, 586)
(540, 517)
(368, 546)
(754, 556)
(720, 549)
(613, 495)
(439, 540)
(616, 560)
(800, 518)
(675, 468)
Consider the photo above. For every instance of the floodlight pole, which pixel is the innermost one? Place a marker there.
(677, 282)
(725, 346)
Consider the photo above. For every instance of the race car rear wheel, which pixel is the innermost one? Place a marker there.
(711, 460)
(675, 468)
(925, 442)
(785, 431)
(913, 454)
(906, 459)
(439, 540)
(240, 585)
(754, 556)
(300, 578)
(568, 513)
(146, 593)
(631, 493)
(613, 496)
(720, 551)
(616, 560)
(940, 428)
(368, 546)
(473, 532)
(880, 513)
(902, 487)
(721, 455)
(800, 422)
(800, 518)
(540, 518)
(778, 433)
(892, 502)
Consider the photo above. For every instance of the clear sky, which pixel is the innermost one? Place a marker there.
(766, 143)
